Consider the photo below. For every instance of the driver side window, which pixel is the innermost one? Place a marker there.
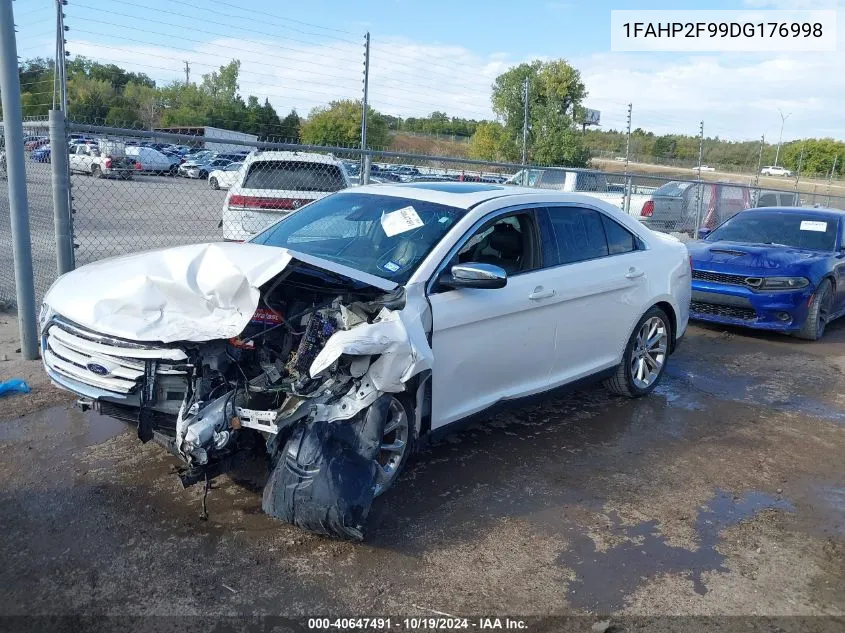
(508, 242)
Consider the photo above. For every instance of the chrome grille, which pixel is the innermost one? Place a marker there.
(100, 361)
(730, 312)
(720, 278)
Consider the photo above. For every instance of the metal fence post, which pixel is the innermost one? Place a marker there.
(626, 200)
(365, 168)
(62, 219)
(10, 91)
(525, 175)
(699, 186)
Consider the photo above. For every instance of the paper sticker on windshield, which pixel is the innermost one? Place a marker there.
(813, 225)
(391, 266)
(399, 221)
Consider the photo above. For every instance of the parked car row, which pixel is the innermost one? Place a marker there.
(680, 207)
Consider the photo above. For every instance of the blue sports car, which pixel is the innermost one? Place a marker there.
(779, 269)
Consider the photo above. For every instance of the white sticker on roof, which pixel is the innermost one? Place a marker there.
(813, 225)
(401, 220)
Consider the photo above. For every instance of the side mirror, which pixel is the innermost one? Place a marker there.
(704, 232)
(473, 275)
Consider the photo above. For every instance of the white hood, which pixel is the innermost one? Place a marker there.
(198, 292)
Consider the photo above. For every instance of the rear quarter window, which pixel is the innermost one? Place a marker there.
(294, 176)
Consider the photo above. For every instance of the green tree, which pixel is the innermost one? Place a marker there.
(554, 90)
(89, 100)
(490, 142)
(818, 158)
(290, 128)
(339, 123)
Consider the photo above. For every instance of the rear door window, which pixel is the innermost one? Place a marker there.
(619, 239)
(578, 235)
(294, 176)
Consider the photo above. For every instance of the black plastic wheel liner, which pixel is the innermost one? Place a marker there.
(324, 479)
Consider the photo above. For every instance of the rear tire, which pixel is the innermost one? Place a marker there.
(212, 182)
(818, 314)
(96, 172)
(644, 360)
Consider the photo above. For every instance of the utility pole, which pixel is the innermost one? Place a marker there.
(365, 157)
(759, 161)
(10, 93)
(626, 203)
(780, 138)
(187, 72)
(699, 188)
(525, 178)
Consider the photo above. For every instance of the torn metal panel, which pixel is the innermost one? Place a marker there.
(194, 293)
(398, 337)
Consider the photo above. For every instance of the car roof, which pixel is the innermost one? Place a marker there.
(826, 212)
(463, 195)
(309, 157)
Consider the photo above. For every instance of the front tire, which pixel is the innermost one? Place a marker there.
(212, 182)
(818, 314)
(644, 360)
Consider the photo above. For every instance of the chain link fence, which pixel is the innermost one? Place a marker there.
(40, 197)
(135, 190)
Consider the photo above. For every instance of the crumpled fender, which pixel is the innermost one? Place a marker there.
(324, 478)
(398, 337)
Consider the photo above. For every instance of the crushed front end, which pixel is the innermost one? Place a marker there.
(311, 378)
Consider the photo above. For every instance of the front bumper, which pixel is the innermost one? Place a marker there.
(782, 311)
(75, 359)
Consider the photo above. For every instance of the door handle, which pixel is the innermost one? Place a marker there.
(540, 293)
(633, 273)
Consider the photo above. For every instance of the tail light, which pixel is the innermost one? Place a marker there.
(138, 166)
(255, 202)
(648, 209)
(107, 163)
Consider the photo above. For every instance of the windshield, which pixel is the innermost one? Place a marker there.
(381, 235)
(811, 232)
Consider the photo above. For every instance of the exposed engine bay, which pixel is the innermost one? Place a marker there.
(312, 378)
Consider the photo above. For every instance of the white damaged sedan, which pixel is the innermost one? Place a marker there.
(362, 323)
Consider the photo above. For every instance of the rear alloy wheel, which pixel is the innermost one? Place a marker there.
(819, 313)
(396, 445)
(212, 182)
(644, 360)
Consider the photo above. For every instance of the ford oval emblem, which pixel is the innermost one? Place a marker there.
(94, 368)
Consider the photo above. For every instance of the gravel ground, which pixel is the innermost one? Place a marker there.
(723, 493)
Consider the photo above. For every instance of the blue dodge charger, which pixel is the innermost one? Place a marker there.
(777, 269)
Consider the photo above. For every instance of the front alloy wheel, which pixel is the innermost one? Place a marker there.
(395, 446)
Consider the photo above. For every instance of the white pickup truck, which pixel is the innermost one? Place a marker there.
(589, 183)
(102, 160)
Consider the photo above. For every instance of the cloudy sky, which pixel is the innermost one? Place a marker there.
(439, 55)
